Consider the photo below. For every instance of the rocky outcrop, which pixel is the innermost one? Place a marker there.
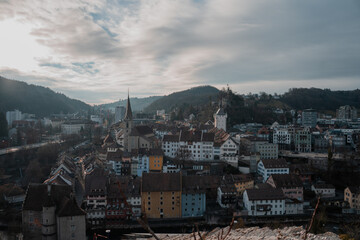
(254, 233)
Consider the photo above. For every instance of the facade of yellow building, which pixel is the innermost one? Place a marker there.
(156, 160)
(161, 195)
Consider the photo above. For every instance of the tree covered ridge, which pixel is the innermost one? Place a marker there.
(196, 96)
(35, 99)
(320, 99)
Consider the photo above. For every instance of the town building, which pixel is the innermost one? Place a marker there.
(282, 137)
(309, 118)
(303, 171)
(290, 184)
(266, 167)
(267, 150)
(264, 202)
(241, 182)
(227, 196)
(302, 140)
(193, 196)
(352, 196)
(161, 195)
(226, 148)
(13, 116)
(141, 136)
(346, 113)
(189, 145)
(51, 212)
(95, 197)
(156, 158)
(323, 190)
(123, 200)
(220, 118)
(97, 119)
(75, 126)
(114, 159)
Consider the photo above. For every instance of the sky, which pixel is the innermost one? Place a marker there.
(96, 50)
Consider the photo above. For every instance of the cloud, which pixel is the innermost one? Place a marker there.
(161, 46)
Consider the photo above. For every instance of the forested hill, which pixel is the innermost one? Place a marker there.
(196, 96)
(137, 104)
(320, 99)
(39, 100)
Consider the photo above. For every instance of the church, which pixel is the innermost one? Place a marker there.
(131, 137)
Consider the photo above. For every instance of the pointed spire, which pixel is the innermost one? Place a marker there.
(128, 113)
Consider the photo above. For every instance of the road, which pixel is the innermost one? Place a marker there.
(26, 147)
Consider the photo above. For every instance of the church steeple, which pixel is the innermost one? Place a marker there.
(128, 113)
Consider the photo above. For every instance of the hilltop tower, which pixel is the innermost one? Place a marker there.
(220, 118)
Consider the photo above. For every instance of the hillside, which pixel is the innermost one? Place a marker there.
(137, 104)
(194, 96)
(39, 100)
(320, 99)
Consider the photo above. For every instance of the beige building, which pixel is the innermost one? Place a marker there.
(352, 196)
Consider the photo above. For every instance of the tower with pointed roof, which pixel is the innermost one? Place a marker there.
(220, 118)
(128, 120)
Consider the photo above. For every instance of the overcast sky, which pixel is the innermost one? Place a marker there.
(95, 50)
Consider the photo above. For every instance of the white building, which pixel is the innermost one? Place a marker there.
(227, 196)
(281, 136)
(69, 128)
(220, 119)
(160, 112)
(266, 167)
(189, 145)
(13, 116)
(261, 202)
(229, 151)
(323, 190)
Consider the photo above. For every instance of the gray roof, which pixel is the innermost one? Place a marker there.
(220, 111)
(37, 196)
(286, 180)
(265, 194)
(161, 182)
(275, 163)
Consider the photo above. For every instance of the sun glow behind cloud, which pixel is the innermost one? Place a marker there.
(18, 48)
(95, 50)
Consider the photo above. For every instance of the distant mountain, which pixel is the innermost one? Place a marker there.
(320, 99)
(137, 104)
(39, 100)
(194, 96)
